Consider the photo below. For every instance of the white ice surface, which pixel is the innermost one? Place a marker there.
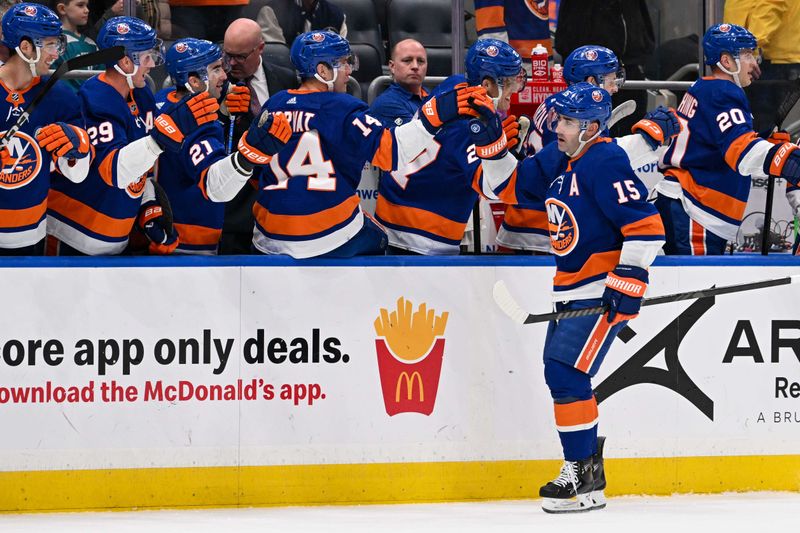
(731, 513)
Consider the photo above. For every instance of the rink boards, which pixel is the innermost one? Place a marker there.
(158, 382)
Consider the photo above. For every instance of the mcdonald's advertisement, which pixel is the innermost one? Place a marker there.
(131, 367)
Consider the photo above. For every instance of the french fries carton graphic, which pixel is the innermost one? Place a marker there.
(410, 348)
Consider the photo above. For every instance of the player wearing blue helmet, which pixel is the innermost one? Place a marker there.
(524, 228)
(308, 204)
(33, 35)
(709, 168)
(426, 204)
(96, 217)
(201, 176)
(604, 235)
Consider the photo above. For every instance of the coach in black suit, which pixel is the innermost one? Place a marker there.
(243, 49)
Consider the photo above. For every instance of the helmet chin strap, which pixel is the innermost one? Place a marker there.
(128, 77)
(31, 62)
(735, 74)
(329, 84)
(582, 144)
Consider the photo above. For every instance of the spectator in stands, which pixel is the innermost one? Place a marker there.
(521, 23)
(624, 26)
(283, 20)
(401, 100)
(775, 24)
(204, 19)
(74, 14)
(253, 79)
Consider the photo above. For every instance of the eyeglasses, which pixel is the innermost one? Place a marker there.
(239, 58)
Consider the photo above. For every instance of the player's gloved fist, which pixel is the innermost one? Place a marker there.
(783, 160)
(157, 228)
(489, 138)
(658, 126)
(64, 140)
(451, 105)
(238, 99)
(265, 138)
(511, 129)
(171, 128)
(625, 288)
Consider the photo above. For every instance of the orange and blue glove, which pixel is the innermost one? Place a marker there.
(459, 102)
(64, 140)
(625, 288)
(265, 138)
(170, 128)
(238, 99)
(658, 126)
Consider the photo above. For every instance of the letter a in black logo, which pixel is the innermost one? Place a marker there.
(633, 371)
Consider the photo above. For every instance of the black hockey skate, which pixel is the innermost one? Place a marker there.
(599, 474)
(571, 491)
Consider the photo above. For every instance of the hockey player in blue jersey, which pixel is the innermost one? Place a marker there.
(604, 235)
(32, 33)
(308, 206)
(200, 177)
(524, 228)
(425, 205)
(708, 168)
(96, 217)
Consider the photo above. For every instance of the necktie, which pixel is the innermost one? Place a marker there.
(255, 103)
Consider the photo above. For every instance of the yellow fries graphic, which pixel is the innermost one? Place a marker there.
(410, 335)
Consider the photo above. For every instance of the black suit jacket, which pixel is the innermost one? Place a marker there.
(237, 229)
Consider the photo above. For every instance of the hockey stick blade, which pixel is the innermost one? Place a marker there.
(511, 308)
(103, 57)
(625, 109)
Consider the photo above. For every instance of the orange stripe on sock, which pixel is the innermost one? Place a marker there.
(573, 414)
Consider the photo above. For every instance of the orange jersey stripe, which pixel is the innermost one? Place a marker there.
(198, 235)
(576, 413)
(299, 225)
(593, 345)
(202, 183)
(698, 238)
(508, 195)
(599, 263)
(490, 17)
(721, 202)
(737, 147)
(383, 156)
(651, 225)
(413, 217)
(87, 217)
(106, 168)
(17, 218)
(526, 218)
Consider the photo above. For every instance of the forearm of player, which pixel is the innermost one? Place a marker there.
(411, 138)
(74, 170)
(226, 177)
(640, 253)
(753, 162)
(639, 152)
(135, 160)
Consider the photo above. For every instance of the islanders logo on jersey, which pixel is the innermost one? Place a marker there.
(30, 11)
(26, 162)
(492, 51)
(563, 227)
(538, 8)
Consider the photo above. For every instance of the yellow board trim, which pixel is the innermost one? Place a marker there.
(252, 486)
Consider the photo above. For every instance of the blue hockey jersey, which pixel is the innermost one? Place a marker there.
(96, 216)
(197, 219)
(597, 213)
(308, 204)
(708, 167)
(24, 186)
(425, 206)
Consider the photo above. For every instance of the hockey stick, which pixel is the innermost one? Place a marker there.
(108, 55)
(789, 101)
(625, 109)
(512, 309)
